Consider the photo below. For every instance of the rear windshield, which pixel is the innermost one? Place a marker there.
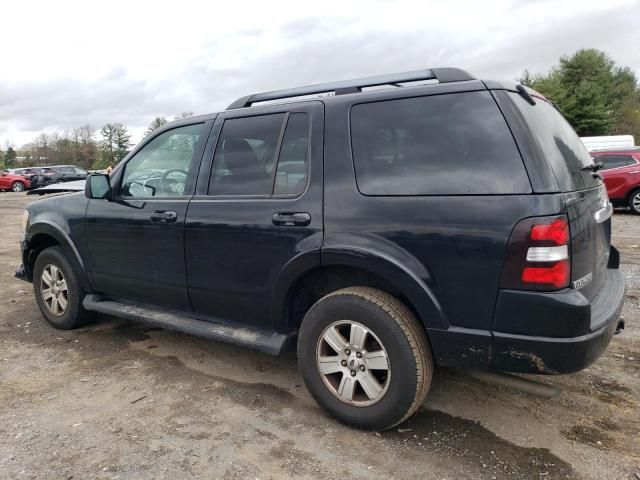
(559, 144)
(453, 144)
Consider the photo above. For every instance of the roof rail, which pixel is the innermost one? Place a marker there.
(442, 75)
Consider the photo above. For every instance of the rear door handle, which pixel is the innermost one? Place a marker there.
(164, 216)
(294, 219)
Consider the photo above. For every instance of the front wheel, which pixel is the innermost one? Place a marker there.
(58, 291)
(17, 187)
(634, 201)
(365, 357)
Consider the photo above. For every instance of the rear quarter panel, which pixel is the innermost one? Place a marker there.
(456, 243)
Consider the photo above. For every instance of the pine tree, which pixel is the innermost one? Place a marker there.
(155, 123)
(10, 157)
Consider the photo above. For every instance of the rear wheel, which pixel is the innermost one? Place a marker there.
(17, 187)
(365, 358)
(58, 291)
(634, 201)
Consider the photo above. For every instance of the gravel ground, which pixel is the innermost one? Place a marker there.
(117, 400)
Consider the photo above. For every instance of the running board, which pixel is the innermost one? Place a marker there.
(255, 338)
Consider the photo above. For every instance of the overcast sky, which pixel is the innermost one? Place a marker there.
(64, 63)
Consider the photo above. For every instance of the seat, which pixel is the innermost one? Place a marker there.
(246, 175)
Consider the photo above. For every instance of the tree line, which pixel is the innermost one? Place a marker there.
(84, 146)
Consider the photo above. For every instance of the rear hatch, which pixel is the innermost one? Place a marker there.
(585, 195)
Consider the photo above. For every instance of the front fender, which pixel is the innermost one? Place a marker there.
(50, 229)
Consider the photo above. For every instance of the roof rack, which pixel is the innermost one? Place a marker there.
(442, 75)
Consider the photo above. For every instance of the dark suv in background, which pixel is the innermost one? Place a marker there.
(63, 173)
(382, 231)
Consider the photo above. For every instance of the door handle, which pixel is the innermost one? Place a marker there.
(634, 171)
(295, 219)
(164, 216)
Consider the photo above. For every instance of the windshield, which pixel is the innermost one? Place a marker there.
(559, 143)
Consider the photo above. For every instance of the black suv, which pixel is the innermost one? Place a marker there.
(63, 173)
(456, 222)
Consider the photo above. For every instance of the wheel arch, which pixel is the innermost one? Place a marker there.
(340, 268)
(43, 235)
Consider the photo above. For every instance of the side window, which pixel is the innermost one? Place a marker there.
(454, 144)
(615, 161)
(66, 170)
(161, 167)
(79, 171)
(293, 163)
(244, 160)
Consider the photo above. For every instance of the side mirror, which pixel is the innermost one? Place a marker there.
(97, 186)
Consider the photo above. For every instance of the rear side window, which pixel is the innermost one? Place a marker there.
(262, 155)
(615, 161)
(245, 156)
(559, 143)
(454, 144)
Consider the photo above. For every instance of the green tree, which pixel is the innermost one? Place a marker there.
(596, 96)
(108, 143)
(122, 140)
(114, 146)
(9, 157)
(155, 123)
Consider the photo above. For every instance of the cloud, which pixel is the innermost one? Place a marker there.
(100, 67)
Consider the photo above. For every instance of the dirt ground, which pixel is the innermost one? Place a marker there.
(117, 400)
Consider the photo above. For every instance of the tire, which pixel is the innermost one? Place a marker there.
(17, 187)
(634, 201)
(69, 314)
(392, 331)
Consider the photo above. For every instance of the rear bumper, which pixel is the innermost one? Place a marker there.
(544, 354)
(593, 324)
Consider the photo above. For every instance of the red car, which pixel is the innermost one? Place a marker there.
(621, 174)
(16, 183)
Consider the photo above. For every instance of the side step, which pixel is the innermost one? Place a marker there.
(255, 338)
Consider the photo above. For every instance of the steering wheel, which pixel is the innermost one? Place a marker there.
(165, 185)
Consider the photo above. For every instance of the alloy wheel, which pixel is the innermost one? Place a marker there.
(353, 363)
(54, 291)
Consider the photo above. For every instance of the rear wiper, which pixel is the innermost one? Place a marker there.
(594, 167)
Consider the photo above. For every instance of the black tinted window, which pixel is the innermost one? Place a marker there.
(438, 145)
(245, 156)
(291, 174)
(615, 161)
(66, 170)
(559, 143)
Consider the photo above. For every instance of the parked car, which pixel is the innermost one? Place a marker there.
(34, 174)
(380, 232)
(15, 183)
(24, 171)
(63, 173)
(621, 174)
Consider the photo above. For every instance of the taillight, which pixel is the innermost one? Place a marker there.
(538, 256)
